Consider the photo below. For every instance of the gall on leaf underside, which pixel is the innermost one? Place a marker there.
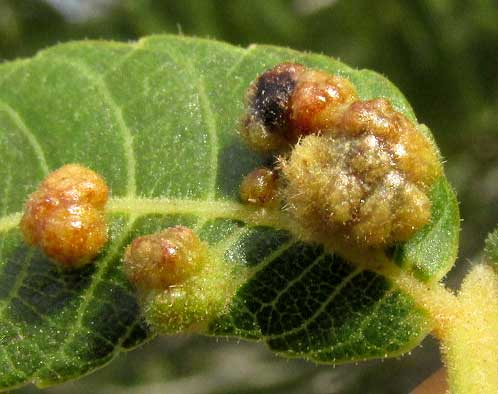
(158, 119)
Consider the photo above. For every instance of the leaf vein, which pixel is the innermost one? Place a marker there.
(367, 319)
(210, 209)
(244, 55)
(90, 291)
(208, 116)
(292, 282)
(28, 134)
(25, 266)
(8, 222)
(126, 133)
(322, 307)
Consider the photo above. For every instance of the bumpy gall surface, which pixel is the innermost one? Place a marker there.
(413, 152)
(65, 217)
(165, 259)
(355, 185)
(260, 187)
(268, 102)
(290, 101)
(180, 285)
(317, 102)
(353, 170)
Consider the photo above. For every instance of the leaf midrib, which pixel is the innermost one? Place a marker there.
(208, 209)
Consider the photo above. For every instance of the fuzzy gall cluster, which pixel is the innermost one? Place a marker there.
(164, 259)
(180, 286)
(65, 216)
(353, 171)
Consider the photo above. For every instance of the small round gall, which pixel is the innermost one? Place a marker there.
(318, 101)
(65, 216)
(260, 188)
(180, 285)
(165, 259)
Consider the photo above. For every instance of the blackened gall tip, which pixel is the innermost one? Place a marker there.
(270, 103)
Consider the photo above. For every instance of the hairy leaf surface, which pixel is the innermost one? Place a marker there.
(158, 120)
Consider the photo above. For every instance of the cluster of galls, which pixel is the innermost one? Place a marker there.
(351, 171)
(65, 217)
(358, 172)
(181, 287)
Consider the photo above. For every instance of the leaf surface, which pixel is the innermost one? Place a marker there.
(158, 120)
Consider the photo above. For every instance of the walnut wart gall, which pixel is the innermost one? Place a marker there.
(353, 190)
(290, 101)
(352, 171)
(164, 259)
(181, 287)
(266, 124)
(65, 217)
(260, 187)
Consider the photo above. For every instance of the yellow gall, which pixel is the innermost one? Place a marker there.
(351, 189)
(260, 187)
(414, 153)
(65, 217)
(165, 259)
(353, 171)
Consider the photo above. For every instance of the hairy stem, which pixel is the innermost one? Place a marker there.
(466, 325)
(469, 342)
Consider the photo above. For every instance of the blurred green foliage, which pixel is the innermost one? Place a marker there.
(443, 54)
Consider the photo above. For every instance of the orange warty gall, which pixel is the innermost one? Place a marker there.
(165, 259)
(318, 101)
(290, 101)
(366, 180)
(352, 171)
(413, 152)
(260, 187)
(65, 217)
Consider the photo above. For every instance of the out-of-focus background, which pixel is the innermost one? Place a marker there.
(443, 54)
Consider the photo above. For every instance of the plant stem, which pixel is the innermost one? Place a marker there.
(466, 325)
(469, 342)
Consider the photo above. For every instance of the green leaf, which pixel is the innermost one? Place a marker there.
(432, 251)
(158, 119)
(491, 249)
